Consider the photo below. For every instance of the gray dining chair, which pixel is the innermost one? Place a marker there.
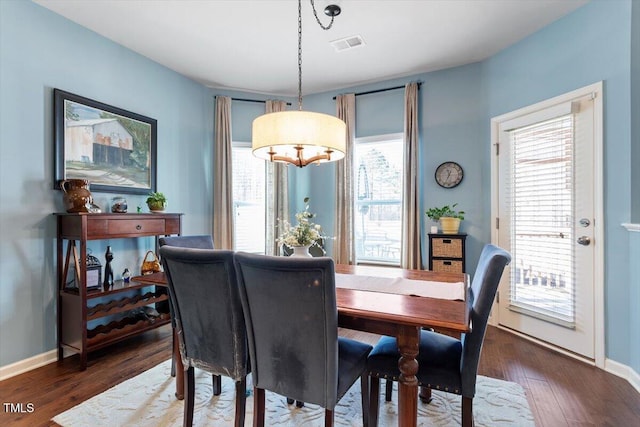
(209, 321)
(200, 241)
(291, 316)
(446, 363)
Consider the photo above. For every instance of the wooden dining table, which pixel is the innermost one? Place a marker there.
(398, 315)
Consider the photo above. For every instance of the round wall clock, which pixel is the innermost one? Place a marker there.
(449, 174)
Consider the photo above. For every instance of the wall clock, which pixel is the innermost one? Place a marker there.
(449, 174)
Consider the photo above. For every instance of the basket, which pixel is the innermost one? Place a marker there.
(451, 248)
(150, 266)
(446, 266)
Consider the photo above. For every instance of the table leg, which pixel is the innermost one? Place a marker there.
(179, 367)
(408, 342)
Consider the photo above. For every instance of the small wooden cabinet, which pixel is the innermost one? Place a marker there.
(78, 303)
(447, 252)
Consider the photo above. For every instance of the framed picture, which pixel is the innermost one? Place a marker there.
(114, 149)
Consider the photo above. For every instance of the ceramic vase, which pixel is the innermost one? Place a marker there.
(301, 251)
(77, 197)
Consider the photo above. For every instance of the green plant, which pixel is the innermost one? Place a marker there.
(446, 211)
(156, 201)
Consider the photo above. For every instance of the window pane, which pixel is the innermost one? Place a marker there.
(248, 200)
(542, 217)
(378, 201)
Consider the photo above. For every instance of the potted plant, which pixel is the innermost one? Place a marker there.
(448, 217)
(305, 234)
(156, 202)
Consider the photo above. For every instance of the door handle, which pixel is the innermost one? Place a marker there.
(584, 240)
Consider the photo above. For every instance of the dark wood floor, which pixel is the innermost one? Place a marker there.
(561, 391)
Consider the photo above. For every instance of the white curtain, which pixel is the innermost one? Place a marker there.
(344, 249)
(277, 196)
(411, 251)
(222, 180)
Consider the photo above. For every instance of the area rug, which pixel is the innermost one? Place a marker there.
(148, 401)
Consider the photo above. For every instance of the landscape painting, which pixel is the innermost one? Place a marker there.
(114, 149)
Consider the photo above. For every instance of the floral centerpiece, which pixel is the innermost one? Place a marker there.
(304, 234)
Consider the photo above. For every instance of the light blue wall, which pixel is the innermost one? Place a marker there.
(40, 51)
(587, 46)
(635, 112)
(634, 239)
(634, 301)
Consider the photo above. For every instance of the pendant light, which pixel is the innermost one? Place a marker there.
(300, 137)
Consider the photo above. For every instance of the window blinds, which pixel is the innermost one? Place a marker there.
(542, 216)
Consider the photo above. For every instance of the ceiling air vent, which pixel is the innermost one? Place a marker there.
(347, 43)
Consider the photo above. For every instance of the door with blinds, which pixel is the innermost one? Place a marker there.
(547, 204)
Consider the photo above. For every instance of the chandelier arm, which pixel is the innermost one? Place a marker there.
(300, 161)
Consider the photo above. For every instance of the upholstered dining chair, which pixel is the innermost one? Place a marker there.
(446, 363)
(290, 311)
(202, 241)
(209, 320)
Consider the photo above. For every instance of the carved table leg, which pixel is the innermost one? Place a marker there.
(408, 342)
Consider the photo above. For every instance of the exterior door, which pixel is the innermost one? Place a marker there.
(547, 204)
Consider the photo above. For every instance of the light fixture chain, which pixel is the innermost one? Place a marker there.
(300, 55)
(313, 6)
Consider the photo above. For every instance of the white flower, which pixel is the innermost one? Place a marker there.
(305, 233)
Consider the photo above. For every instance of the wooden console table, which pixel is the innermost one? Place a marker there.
(74, 308)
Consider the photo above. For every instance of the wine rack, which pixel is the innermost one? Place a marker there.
(127, 309)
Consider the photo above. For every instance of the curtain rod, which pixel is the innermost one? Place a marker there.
(381, 90)
(252, 100)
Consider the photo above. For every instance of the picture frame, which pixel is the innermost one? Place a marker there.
(114, 149)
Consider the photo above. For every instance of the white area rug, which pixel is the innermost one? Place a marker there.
(148, 400)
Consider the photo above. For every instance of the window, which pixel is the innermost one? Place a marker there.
(248, 199)
(378, 171)
(542, 211)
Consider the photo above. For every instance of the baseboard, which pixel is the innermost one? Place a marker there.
(623, 371)
(29, 364)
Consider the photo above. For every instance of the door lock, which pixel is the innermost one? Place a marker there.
(584, 240)
(585, 222)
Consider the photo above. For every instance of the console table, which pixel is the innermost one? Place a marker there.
(75, 296)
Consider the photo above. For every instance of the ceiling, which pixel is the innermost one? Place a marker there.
(252, 45)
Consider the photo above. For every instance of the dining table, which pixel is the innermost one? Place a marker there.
(386, 301)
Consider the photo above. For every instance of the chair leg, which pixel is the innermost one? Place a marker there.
(425, 394)
(173, 353)
(189, 397)
(241, 401)
(467, 411)
(374, 400)
(388, 390)
(217, 385)
(258, 407)
(299, 403)
(328, 418)
(364, 392)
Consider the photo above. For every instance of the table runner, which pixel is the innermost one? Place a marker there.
(402, 286)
